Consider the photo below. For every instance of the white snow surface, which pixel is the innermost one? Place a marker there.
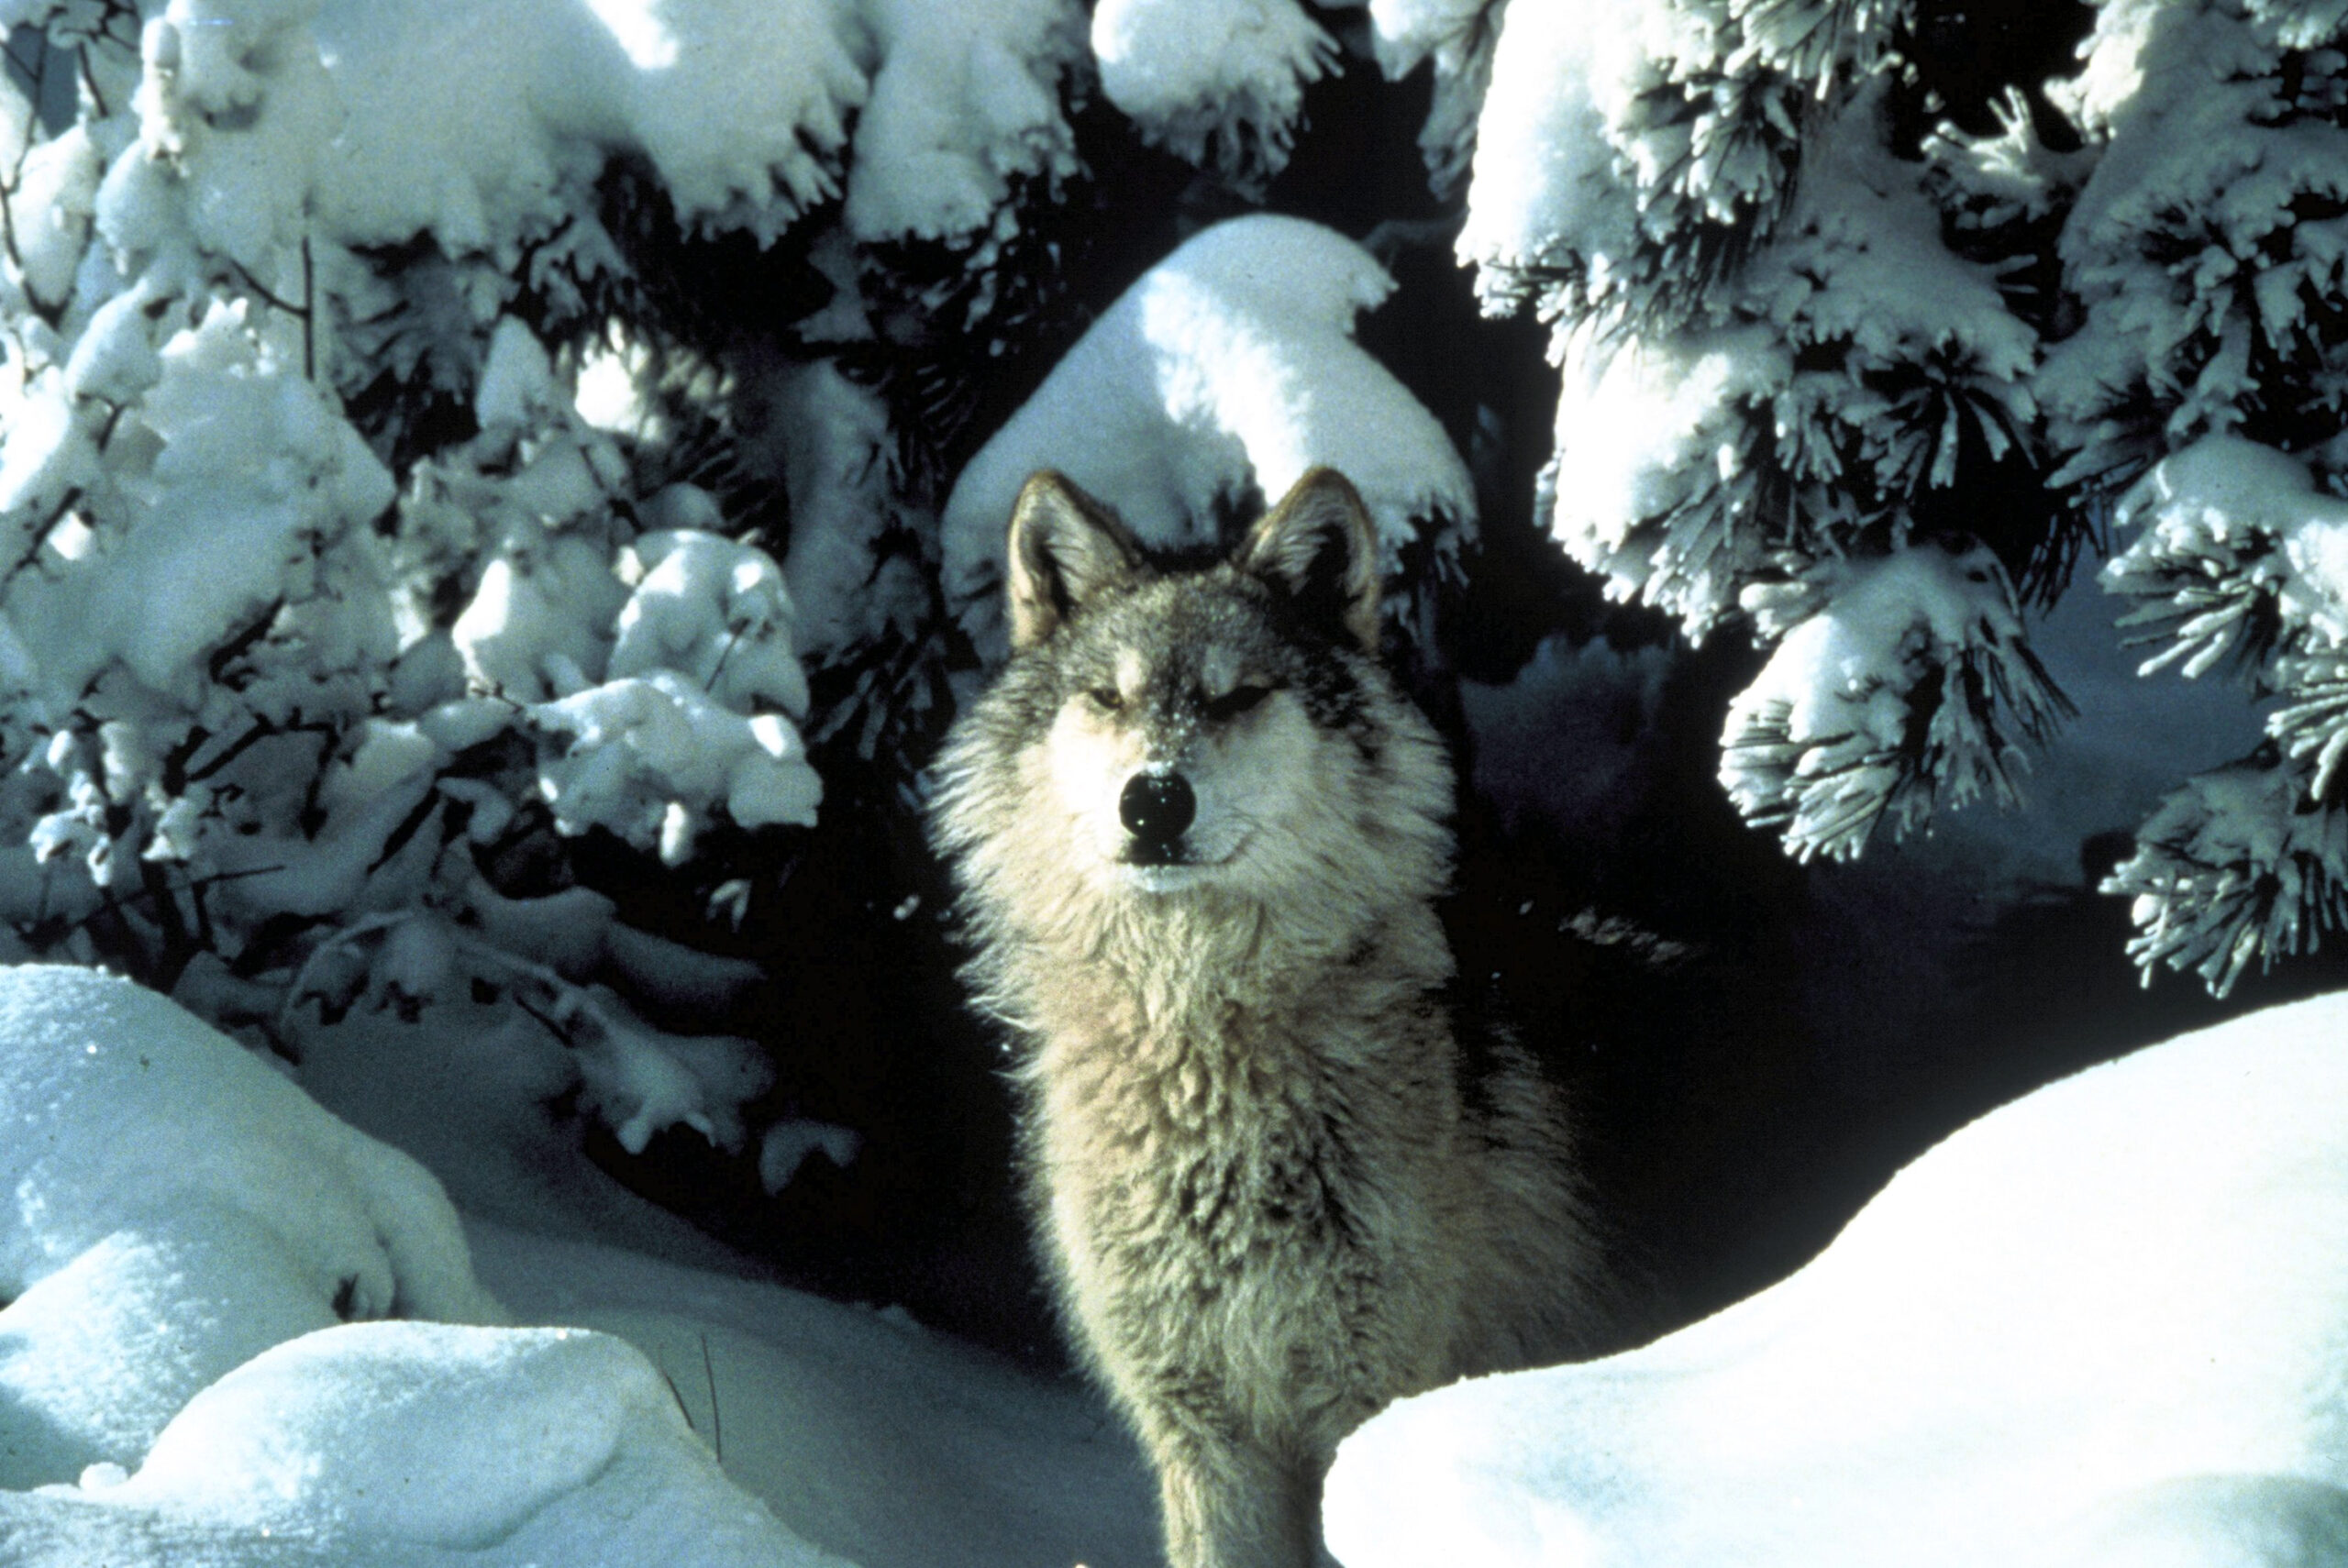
(1230, 363)
(2100, 1326)
(176, 1390)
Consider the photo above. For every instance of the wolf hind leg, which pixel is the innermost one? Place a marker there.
(1230, 1504)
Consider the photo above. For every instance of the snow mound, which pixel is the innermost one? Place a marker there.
(2099, 1326)
(518, 1445)
(188, 1228)
(1229, 365)
(130, 1109)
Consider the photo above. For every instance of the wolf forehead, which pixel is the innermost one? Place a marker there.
(1191, 634)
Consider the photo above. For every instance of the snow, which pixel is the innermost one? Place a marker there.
(1547, 184)
(2227, 509)
(2099, 1326)
(1800, 381)
(487, 125)
(1823, 740)
(129, 1111)
(1219, 79)
(1229, 365)
(965, 101)
(1459, 36)
(2189, 107)
(178, 1387)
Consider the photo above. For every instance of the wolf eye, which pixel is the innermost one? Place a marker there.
(1106, 698)
(1235, 701)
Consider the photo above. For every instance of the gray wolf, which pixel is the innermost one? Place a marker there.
(1200, 836)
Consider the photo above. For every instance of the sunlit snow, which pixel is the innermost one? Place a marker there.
(2100, 1326)
(218, 1348)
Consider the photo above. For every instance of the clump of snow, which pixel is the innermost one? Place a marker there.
(1626, 156)
(1848, 365)
(966, 100)
(1827, 739)
(485, 126)
(1460, 36)
(245, 460)
(1212, 78)
(1652, 467)
(2243, 863)
(789, 1144)
(2185, 247)
(1548, 188)
(2229, 534)
(2098, 1327)
(1229, 366)
(663, 684)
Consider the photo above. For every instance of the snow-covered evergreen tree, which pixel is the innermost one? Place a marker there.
(447, 457)
(389, 512)
(2201, 401)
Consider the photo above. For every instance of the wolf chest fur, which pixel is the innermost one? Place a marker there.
(1200, 836)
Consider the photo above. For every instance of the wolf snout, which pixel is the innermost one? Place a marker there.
(1155, 809)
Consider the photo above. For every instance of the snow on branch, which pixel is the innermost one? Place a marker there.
(965, 101)
(2245, 863)
(1459, 38)
(1898, 684)
(2235, 553)
(1229, 368)
(1629, 157)
(1845, 376)
(1216, 82)
(2203, 249)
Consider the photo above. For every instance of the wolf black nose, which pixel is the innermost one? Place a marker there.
(1156, 807)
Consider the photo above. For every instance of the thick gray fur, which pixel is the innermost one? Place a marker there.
(1272, 1191)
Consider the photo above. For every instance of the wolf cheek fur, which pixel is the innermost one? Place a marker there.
(1200, 837)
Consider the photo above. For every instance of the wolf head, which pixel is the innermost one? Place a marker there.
(1165, 739)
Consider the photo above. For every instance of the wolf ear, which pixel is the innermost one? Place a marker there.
(1065, 549)
(1318, 549)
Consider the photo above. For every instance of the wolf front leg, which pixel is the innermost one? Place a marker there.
(1228, 1504)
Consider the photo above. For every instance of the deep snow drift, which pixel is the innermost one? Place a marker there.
(184, 1379)
(2102, 1325)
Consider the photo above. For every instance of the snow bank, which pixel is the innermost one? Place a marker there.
(131, 1110)
(188, 1229)
(1229, 365)
(2098, 1327)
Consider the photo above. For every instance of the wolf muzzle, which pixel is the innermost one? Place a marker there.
(1157, 809)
